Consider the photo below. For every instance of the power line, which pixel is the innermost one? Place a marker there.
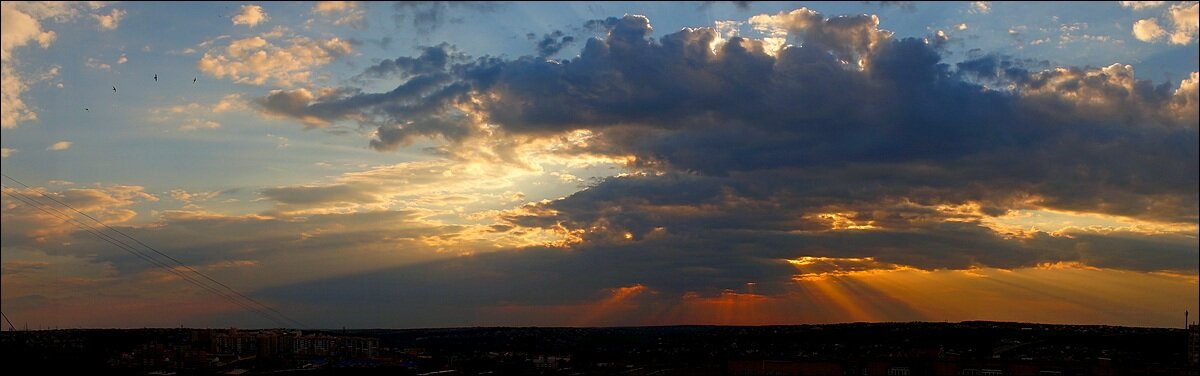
(129, 249)
(11, 328)
(125, 247)
(176, 261)
(253, 305)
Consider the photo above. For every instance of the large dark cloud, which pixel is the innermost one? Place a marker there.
(757, 215)
(766, 155)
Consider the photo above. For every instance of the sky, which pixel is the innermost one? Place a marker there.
(425, 164)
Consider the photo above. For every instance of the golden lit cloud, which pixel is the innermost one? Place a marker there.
(59, 146)
(342, 12)
(257, 60)
(26, 221)
(109, 21)
(22, 24)
(1060, 222)
(1147, 30)
(1180, 26)
(251, 15)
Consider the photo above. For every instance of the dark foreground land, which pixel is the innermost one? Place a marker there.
(968, 348)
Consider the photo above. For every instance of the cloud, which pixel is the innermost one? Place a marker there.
(712, 215)
(15, 111)
(110, 21)
(722, 156)
(251, 15)
(258, 60)
(907, 6)
(280, 141)
(343, 12)
(22, 23)
(849, 38)
(227, 103)
(51, 74)
(334, 195)
(1147, 30)
(287, 103)
(197, 124)
(93, 63)
(639, 286)
(1183, 20)
(327, 7)
(551, 43)
(189, 197)
(196, 116)
(289, 249)
(6, 152)
(230, 102)
(233, 264)
(1140, 5)
(800, 165)
(980, 7)
(201, 238)
(59, 146)
(22, 267)
(28, 226)
(404, 184)
(432, 59)
(427, 16)
(123, 59)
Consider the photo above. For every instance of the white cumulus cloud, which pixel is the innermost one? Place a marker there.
(19, 28)
(59, 146)
(1186, 19)
(1147, 30)
(251, 15)
(1177, 26)
(109, 21)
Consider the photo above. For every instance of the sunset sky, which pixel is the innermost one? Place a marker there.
(597, 164)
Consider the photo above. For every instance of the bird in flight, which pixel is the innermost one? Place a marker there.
(156, 77)
(193, 80)
(114, 89)
(86, 109)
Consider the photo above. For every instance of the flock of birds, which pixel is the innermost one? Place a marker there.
(155, 80)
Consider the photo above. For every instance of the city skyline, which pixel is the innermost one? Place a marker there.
(415, 165)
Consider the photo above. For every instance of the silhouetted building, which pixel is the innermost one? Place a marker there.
(361, 347)
(271, 344)
(235, 342)
(268, 345)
